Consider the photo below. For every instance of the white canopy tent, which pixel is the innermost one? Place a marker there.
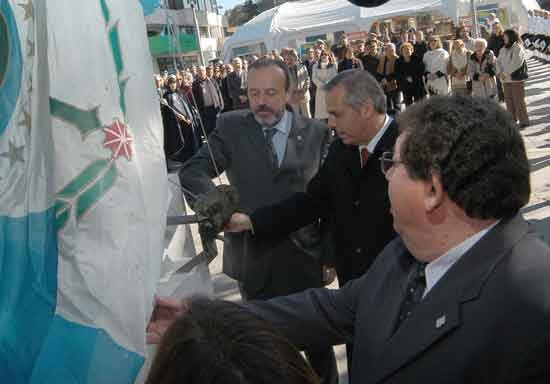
(279, 26)
(291, 22)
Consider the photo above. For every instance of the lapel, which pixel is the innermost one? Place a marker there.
(294, 145)
(438, 315)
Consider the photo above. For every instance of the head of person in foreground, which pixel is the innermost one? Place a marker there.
(218, 342)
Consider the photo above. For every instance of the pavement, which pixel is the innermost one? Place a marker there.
(537, 142)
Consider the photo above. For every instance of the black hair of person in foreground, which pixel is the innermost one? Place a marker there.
(218, 342)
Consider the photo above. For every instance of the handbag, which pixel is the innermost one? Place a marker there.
(520, 73)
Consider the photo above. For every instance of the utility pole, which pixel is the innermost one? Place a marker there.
(197, 28)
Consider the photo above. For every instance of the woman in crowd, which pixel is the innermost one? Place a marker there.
(436, 61)
(482, 70)
(420, 46)
(495, 43)
(322, 73)
(410, 69)
(179, 136)
(387, 76)
(458, 68)
(512, 70)
(221, 342)
(349, 61)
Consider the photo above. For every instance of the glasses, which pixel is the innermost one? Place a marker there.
(387, 162)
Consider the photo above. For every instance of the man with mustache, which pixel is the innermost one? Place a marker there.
(269, 153)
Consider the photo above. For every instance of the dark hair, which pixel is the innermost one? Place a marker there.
(218, 342)
(265, 62)
(513, 37)
(475, 146)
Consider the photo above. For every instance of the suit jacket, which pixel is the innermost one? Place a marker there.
(486, 321)
(240, 150)
(199, 88)
(353, 202)
(235, 88)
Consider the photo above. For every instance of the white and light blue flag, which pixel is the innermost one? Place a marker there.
(83, 191)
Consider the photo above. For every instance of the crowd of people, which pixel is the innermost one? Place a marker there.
(414, 205)
(408, 65)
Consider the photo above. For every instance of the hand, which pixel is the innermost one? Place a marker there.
(165, 312)
(239, 223)
(163, 101)
(329, 274)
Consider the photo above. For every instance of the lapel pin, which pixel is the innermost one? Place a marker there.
(299, 138)
(440, 321)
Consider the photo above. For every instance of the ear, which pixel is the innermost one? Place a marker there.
(367, 109)
(433, 193)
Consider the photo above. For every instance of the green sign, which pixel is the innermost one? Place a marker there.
(165, 45)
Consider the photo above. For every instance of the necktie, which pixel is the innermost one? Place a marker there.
(415, 291)
(272, 153)
(364, 156)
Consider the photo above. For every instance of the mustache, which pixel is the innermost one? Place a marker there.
(263, 108)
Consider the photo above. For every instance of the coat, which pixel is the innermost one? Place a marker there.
(486, 321)
(320, 77)
(436, 63)
(409, 77)
(485, 88)
(239, 148)
(352, 201)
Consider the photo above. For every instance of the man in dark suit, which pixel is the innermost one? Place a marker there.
(461, 296)
(237, 84)
(268, 153)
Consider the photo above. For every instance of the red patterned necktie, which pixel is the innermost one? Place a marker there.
(364, 156)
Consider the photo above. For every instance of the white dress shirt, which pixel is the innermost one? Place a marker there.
(439, 267)
(371, 146)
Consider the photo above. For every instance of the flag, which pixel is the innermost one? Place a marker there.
(83, 191)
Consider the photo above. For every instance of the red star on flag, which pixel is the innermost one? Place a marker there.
(118, 140)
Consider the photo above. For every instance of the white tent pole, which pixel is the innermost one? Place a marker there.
(474, 19)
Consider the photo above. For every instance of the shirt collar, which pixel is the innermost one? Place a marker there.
(282, 126)
(436, 269)
(371, 146)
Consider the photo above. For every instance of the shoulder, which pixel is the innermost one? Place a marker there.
(313, 124)
(234, 120)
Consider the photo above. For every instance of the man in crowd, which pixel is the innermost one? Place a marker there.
(461, 296)
(268, 153)
(350, 191)
(299, 84)
(371, 58)
(236, 85)
(208, 99)
(227, 69)
(309, 62)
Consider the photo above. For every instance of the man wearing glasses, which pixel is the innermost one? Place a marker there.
(462, 294)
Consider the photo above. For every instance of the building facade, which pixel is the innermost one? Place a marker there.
(172, 31)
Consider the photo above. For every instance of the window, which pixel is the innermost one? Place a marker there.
(204, 32)
(174, 4)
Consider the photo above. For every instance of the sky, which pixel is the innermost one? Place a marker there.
(228, 4)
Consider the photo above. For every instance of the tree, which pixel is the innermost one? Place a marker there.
(242, 13)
